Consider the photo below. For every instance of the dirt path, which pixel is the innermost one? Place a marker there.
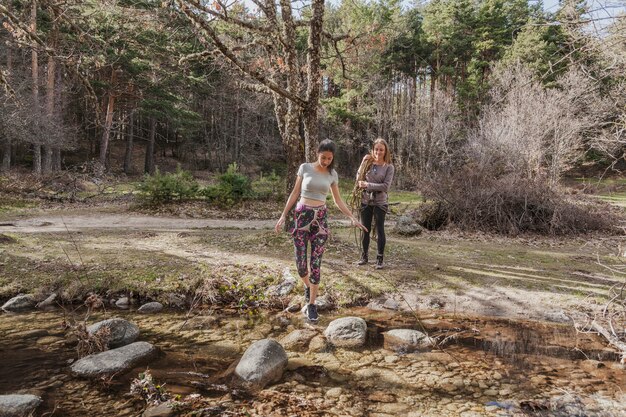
(102, 221)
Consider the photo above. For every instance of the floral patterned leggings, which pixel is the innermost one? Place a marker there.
(311, 225)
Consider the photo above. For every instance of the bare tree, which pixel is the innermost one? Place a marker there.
(262, 44)
(532, 130)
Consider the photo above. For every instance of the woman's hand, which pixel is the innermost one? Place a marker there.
(362, 184)
(358, 224)
(279, 224)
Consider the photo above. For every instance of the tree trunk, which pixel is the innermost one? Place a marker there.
(108, 122)
(56, 158)
(128, 156)
(56, 149)
(6, 146)
(149, 163)
(290, 134)
(310, 119)
(50, 96)
(6, 156)
(35, 76)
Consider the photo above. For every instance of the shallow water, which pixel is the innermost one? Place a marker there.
(486, 367)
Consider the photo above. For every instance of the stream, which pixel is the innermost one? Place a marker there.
(485, 367)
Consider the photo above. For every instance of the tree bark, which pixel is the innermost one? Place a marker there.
(311, 127)
(35, 77)
(128, 156)
(6, 146)
(50, 95)
(108, 122)
(149, 162)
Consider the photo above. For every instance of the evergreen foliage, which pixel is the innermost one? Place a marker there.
(169, 187)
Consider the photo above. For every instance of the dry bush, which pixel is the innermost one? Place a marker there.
(509, 204)
(536, 131)
(432, 215)
(86, 343)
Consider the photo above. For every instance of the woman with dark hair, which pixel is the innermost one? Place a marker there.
(374, 178)
(313, 182)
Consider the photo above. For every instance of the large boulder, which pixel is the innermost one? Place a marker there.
(347, 332)
(262, 363)
(20, 303)
(123, 332)
(407, 340)
(15, 405)
(114, 361)
(407, 226)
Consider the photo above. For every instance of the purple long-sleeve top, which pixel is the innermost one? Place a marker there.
(378, 179)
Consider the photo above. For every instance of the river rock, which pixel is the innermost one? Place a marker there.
(262, 363)
(123, 302)
(407, 340)
(407, 226)
(317, 344)
(294, 305)
(153, 307)
(114, 361)
(123, 332)
(15, 405)
(48, 302)
(285, 287)
(347, 332)
(19, 303)
(323, 303)
(391, 304)
(298, 340)
(161, 410)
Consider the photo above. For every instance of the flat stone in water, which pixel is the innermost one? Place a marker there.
(298, 339)
(15, 405)
(407, 340)
(161, 410)
(123, 332)
(114, 361)
(153, 307)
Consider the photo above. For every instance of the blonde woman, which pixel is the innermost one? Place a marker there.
(374, 177)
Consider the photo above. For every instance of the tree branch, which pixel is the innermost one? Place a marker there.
(204, 26)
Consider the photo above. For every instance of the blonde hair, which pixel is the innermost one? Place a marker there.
(387, 150)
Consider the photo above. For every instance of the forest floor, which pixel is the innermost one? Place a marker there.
(113, 248)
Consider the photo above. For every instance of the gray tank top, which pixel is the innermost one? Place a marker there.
(315, 185)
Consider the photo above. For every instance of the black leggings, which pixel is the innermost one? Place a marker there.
(367, 213)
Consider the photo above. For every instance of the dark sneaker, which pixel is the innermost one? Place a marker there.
(362, 261)
(311, 312)
(307, 294)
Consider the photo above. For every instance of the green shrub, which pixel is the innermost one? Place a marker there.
(165, 188)
(233, 187)
(268, 187)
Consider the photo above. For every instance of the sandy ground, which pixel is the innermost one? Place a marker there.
(497, 292)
